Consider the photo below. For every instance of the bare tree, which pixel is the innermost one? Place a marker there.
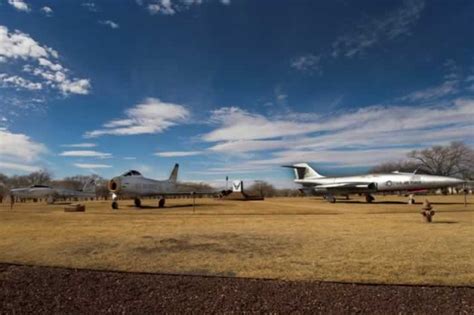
(40, 177)
(262, 188)
(456, 159)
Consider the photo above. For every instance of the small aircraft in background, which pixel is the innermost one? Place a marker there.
(51, 194)
(314, 183)
(132, 184)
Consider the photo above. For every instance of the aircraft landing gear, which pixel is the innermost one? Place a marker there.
(50, 200)
(369, 198)
(115, 205)
(411, 199)
(138, 202)
(330, 198)
(161, 203)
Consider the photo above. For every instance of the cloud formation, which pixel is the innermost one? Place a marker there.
(91, 166)
(150, 117)
(47, 11)
(20, 5)
(40, 62)
(86, 153)
(368, 34)
(357, 138)
(80, 145)
(307, 63)
(19, 82)
(18, 152)
(91, 6)
(178, 153)
(365, 35)
(171, 7)
(109, 23)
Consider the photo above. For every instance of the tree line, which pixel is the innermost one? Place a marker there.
(455, 159)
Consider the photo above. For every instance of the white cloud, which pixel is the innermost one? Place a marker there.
(20, 46)
(80, 145)
(20, 5)
(368, 34)
(356, 138)
(91, 166)
(19, 146)
(18, 82)
(18, 152)
(178, 153)
(9, 167)
(129, 158)
(450, 86)
(150, 117)
(165, 7)
(307, 63)
(171, 7)
(86, 153)
(47, 11)
(109, 23)
(91, 6)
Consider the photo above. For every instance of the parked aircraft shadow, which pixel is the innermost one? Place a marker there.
(444, 222)
(62, 203)
(449, 203)
(374, 202)
(170, 207)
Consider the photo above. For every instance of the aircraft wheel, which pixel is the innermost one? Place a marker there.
(138, 203)
(331, 199)
(114, 205)
(161, 203)
(369, 198)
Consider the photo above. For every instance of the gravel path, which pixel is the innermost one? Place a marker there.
(39, 290)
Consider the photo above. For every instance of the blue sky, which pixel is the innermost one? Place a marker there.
(230, 87)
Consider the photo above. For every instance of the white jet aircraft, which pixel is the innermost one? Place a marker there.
(132, 184)
(51, 194)
(315, 183)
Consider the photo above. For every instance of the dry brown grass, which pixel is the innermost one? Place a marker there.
(289, 238)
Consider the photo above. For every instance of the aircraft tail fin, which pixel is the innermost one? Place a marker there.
(303, 171)
(89, 187)
(174, 173)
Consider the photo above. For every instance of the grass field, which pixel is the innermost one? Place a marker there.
(287, 238)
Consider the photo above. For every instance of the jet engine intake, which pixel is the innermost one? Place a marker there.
(114, 185)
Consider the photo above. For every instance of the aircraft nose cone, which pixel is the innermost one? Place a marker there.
(457, 181)
(114, 184)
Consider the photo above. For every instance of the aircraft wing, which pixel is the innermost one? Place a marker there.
(350, 186)
(345, 185)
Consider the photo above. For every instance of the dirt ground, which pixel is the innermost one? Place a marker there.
(43, 290)
(279, 238)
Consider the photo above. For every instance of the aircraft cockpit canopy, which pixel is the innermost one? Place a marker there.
(40, 186)
(132, 173)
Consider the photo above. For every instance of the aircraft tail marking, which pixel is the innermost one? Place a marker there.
(303, 171)
(89, 187)
(174, 173)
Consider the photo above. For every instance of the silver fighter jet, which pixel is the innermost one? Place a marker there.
(51, 194)
(315, 184)
(132, 184)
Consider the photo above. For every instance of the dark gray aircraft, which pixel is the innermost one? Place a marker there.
(51, 194)
(329, 187)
